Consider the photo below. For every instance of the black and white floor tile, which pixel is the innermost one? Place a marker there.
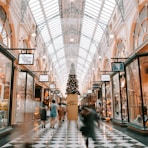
(68, 136)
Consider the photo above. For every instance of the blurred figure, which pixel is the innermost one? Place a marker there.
(60, 113)
(88, 117)
(99, 111)
(53, 113)
(43, 112)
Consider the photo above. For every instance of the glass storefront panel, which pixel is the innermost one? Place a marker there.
(29, 94)
(123, 98)
(144, 80)
(133, 92)
(20, 100)
(116, 97)
(106, 100)
(25, 94)
(5, 87)
(103, 101)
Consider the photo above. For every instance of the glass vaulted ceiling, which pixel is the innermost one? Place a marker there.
(71, 30)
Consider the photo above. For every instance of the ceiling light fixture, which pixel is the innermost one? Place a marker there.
(71, 39)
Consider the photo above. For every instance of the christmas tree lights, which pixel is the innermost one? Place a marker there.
(72, 83)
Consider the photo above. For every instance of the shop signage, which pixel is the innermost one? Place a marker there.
(105, 78)
(117, 66)
(26, 59)
(52, 86)
(95, 86)
(43, 78)
(89, 91)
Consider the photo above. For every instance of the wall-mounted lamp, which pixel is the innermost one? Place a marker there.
(111, 36)
(100, 57)
(33, 34)
(44, 57)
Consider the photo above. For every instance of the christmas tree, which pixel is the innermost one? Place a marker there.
(72, 84)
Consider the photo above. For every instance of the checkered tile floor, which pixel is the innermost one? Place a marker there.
(68, 136)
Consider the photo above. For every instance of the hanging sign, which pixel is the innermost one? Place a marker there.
(43, 78)
(105, 78)
(52, 86)
(117, 66)
(26, 59)
(89, 91)
(95, 86)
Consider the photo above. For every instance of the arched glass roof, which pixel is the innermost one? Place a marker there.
(72, 30)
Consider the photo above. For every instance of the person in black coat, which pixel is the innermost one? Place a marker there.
(43, 111)
(88, 117)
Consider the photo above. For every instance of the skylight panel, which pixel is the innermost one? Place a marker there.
(107, 8)
(98, 34)
(80, 67)
(60, 54)
(54, 58)
(87, 64)
(39, 20)
(45, 34)
(91, 12)
(85, 42)
(56, 65)
(105, 14)
(111, 3)
(86, 29)
(34, 5)
(89, 58)
(82, 53)
(50, 49)
(55, 24)
(58, 42)
(102, 19)
(51, 13)
(62, 61)
(81, 61)
(63, 68)
(93, 49)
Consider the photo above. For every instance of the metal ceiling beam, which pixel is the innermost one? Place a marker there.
(121, 8)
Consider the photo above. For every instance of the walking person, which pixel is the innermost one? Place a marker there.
(43, 112)
(60, 113)
(88, 117)
(53, 113)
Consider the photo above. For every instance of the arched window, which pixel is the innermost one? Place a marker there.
(141, 32)
(5, 31)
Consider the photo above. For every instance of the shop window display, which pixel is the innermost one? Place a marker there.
(5, 85)
(123, 98)
(138, 102)
(116, 97)
(106, 99)
(133, 90)
(144, 80)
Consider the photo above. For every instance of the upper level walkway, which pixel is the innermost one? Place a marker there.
(68, 136)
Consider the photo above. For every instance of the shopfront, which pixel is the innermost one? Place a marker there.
(120, 103)
(106, 101)
(6, 75)
(137, 86)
